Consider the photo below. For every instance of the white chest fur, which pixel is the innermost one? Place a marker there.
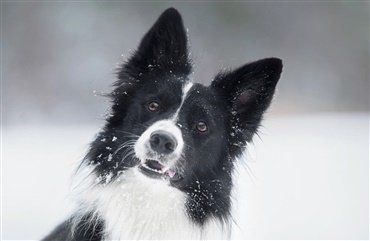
(136, 207)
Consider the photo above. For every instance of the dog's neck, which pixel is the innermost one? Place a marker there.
(136, 207)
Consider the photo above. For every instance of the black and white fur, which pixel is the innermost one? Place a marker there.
(162, 166)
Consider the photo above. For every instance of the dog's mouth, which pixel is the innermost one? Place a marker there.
(155, 169)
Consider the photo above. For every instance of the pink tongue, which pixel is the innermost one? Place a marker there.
(170, 173)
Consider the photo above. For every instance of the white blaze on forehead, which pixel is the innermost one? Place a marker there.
(185, 90)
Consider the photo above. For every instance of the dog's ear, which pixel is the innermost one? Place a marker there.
(162, 52)
(163, 49)
(248, 92)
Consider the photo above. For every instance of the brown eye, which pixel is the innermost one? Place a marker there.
(202, 126)
(153, 106)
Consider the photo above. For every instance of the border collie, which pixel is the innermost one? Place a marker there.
(162, 166)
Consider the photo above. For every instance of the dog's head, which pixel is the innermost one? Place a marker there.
(167, 127)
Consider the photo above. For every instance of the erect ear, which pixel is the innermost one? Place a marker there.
(163, 48)
(248, 91)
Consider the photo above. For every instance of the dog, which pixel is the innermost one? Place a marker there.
(162, 166)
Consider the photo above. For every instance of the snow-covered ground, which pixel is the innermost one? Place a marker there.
(307, 178)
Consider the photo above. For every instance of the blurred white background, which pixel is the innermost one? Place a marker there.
(308, 175)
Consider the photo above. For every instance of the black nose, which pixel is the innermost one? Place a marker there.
(162, 142)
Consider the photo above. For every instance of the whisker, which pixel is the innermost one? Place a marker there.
(143, 125)
(128, 154)
(132, 134)
(129, 143)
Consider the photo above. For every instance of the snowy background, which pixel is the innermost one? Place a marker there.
(307, 176)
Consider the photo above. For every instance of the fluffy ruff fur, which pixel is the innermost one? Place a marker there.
(162, 166)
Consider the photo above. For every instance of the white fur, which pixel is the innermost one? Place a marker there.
(137, 207)
(185, 90)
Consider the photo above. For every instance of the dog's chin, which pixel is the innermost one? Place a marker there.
(156, 170)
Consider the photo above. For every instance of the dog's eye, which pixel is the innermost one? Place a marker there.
(202, 126)
(153, 106)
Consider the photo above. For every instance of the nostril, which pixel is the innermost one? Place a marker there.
(155, 139)
(169, 146)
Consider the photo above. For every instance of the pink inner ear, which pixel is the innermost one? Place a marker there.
(245, 96)
(244, 101)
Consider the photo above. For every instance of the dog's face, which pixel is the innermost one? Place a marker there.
(168, 128)
(179, 131)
